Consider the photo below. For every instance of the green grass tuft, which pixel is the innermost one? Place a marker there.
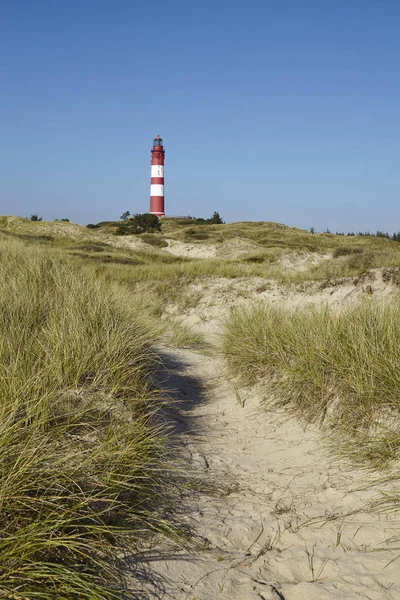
(81, 464)
(154, 239)
(181, 335)
(341, 368)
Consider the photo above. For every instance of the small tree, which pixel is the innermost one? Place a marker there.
(125, 215)
(36, 218)
(216, 219)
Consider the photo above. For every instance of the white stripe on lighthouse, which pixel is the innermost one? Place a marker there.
(157, 171)
(156, 189)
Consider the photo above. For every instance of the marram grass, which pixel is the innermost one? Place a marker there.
(80, 461)
(180, 335)
(342, 368)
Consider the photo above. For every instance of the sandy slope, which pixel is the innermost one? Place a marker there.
(288, 522)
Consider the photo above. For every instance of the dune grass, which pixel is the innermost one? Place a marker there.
(181, 335)
(267, 234)
(82, 465)
(346, 262)
(272, 242)
(340, 368)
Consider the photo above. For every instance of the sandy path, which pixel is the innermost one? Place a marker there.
(288, 523)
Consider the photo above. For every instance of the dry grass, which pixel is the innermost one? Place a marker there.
(349, 264)
(269, 234)
(272, 242)
(181, 335)
(154, 239)
(342, 369)
(81, 464)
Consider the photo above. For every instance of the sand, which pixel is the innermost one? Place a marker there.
(286, 520)
(233, 248)
(191, 250)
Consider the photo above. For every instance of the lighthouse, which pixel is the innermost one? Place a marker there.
(157, 178)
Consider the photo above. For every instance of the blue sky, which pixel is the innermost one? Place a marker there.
(276, 110)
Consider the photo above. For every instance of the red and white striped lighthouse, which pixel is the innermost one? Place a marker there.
(157, 178)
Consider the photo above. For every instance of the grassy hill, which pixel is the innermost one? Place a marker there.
(237, 249)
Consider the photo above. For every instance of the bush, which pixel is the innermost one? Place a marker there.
(214, 220)
(145, 223)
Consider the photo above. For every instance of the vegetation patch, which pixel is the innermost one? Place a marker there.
(346, 250)
(255, 258)
(26, 236)
(341, 368)
(181, 335)
(82, 464)
(93, 225)
(93, 246)
(138, 224)
(154, 240)
(360, 261)
(196, 234)
(110, 258)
